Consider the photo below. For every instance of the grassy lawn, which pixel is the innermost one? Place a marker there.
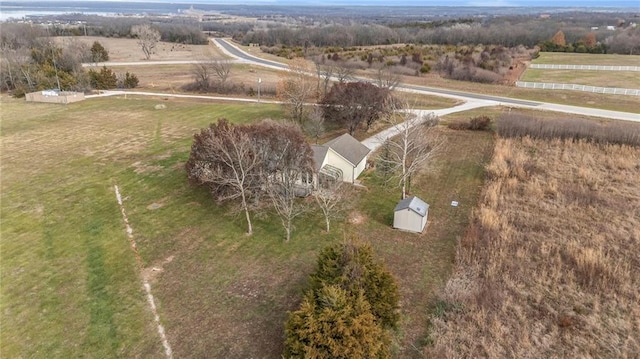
(587, 59)
(621, 79)
(423, 262)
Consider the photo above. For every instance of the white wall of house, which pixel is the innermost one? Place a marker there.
(360, 167)
(334, 159)
(409, 220)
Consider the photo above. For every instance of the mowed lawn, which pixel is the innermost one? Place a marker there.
(587, 59)
(619, 79)
(71, 286)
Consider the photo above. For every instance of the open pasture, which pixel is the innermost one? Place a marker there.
(619, 79)
(562, 58)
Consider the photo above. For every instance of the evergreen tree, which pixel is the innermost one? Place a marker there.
(354, 268)
(333, 323)
(98, 52)
(104, 79)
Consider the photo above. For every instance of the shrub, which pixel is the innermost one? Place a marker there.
(98, 52)
(104, 79)
(335, 324)
(479, 123)
(354, 267)
(130, 81)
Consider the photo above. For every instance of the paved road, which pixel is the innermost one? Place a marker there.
(235, 52)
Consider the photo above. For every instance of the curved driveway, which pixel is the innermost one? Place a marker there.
(487, 100)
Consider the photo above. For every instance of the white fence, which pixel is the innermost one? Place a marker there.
(595, 89)
(585, 67)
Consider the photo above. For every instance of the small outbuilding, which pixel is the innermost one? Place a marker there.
(411, 214)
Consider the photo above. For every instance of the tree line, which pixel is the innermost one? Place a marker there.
(528, 31)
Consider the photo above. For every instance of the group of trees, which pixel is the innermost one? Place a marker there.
(32, 61)
(349, 310)
(506, 31)
(251, 163)
(350, 105)
(588, 44)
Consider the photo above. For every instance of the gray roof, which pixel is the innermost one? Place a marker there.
(319, 153)
(349, 148)
(415, 204)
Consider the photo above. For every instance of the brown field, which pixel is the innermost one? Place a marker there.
(124, 50)
(549, 267)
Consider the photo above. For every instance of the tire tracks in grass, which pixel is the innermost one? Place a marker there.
(145, 282)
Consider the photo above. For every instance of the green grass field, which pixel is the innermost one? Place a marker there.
(70, 283)
(586, 59)
(620, 79)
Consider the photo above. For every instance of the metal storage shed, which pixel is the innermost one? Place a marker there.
(411, 214)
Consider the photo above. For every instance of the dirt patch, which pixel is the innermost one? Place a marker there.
(517, 68)
(356, 218)
(149, 274)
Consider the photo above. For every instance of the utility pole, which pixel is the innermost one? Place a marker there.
(259, 82)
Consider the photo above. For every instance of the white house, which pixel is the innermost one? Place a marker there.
(343, 158)
(411, 214)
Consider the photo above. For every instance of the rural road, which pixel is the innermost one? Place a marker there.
(233, 51)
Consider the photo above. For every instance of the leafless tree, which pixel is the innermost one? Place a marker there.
(329, 196)
(201, 72)
(296, 89)
(148, 38)
(221, 69)
(287, 162)
(356, 104)
(417, 141)
(314, 125)
(223, 157)
(385, 78)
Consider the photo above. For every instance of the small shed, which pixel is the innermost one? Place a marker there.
(411, 214)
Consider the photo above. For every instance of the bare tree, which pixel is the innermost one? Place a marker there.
(201, 72)
(416, 142)
(314, 126)
(296, 89)
(329, 197)
(148, 38)
(287, 162)
(221, 69)
(222, 157)
(385, 78)
(355, 104)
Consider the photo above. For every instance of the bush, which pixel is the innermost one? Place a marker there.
(479, 123)
(352, 301)
(129, 81)
(354, 267)
(335, 324)
(618, 132)
(98, 52)
(103, 80)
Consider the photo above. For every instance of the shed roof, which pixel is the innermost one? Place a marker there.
(415, 204)
(349, 148)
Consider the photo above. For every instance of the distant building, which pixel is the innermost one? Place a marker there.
(411, 215)
(594, 28)
(54, 96)
(611, 28)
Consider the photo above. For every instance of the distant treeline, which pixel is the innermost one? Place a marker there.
(506, 31)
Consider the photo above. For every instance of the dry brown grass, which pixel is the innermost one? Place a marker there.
(548, 269)
(126, 50)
